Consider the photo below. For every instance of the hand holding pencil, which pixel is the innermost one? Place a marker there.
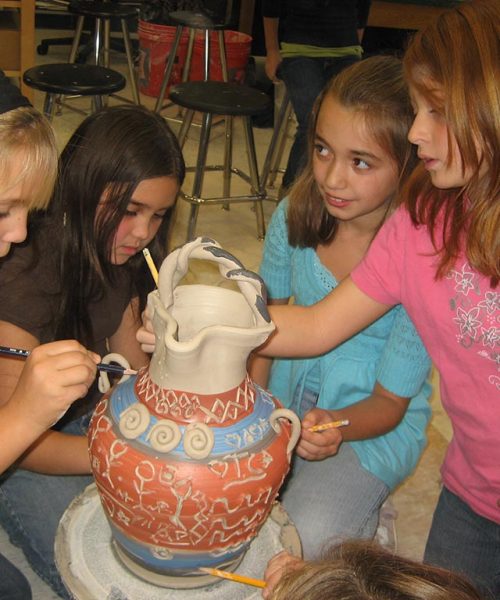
(321, 435)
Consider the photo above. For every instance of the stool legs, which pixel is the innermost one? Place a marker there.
(254, 176)
(107, 43)
(222, 54)
(97, 41)
(189, 56)
(199, 173)
(102, 36)
(228, 159)
(76, 40)
(49, 106)
(130, 61)
(168, 69)
(186, 124)
(196, 199)
(97, 102)
(276, 145)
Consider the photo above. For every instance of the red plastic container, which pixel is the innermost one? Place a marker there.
(155, 43)
(238, 47)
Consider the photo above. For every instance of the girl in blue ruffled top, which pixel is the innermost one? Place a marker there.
(358, 156)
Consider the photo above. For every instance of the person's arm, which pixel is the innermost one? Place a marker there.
(53, 377)
(259, 367)
(371, 417)
(32, 398)
(312, 330)
(273, 55)
(124, 340)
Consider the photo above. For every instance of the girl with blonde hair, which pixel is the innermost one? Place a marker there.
(358, 570)
(56, 374)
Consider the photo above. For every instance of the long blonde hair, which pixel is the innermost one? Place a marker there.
(27, 134)
(454, 63)
(361, 570)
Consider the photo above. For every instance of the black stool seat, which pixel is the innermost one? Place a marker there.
(68, 79)
(220, 98)
(195, 20)
(105, 10)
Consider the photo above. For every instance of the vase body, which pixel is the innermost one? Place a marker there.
(188, 456)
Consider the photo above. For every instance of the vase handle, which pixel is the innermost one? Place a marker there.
(285, 413)
(175, 267)
(103, 382)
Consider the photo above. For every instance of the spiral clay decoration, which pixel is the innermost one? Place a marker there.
(134, 420)
(164, 435)
(198, 440)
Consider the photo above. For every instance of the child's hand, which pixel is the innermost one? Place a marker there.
(321, 444)
(145, 335)
(276, 567)
(53, 377)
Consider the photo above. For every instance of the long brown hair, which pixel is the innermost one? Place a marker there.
(375, 89)
(112, 151)
(361, 570)
(458, 55)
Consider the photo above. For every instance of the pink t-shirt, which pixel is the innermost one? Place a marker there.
(458, 319)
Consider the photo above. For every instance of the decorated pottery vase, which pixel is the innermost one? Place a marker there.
(188, 455)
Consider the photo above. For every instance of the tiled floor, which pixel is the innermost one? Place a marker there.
(414, 501)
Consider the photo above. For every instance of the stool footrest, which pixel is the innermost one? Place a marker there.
(234, 171)
(222, 200)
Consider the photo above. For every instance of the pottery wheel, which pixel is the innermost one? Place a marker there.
(90, 569)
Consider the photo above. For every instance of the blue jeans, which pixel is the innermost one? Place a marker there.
(332, 500)
(463, 541)
(13, 584)
(31, 506)
(305, 78)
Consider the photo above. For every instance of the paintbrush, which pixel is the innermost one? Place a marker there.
(114, 369)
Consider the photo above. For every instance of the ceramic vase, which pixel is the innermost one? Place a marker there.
(188, 455)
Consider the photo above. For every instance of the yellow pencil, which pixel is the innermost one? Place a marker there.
(151, 265)
(234, 577)
(330, 425)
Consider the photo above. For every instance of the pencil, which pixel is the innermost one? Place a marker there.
(151, 265)
(20, 353)
(330, 425)
(234, 577)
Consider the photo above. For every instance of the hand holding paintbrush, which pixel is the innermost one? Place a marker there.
(53, 377)
(108, 368)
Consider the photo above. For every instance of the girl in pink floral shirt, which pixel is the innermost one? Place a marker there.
(439, 256)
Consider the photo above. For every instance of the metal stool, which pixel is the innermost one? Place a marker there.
(230, 100)
(70, 79)
(276, 147)
(192, 21)
(103, 12)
